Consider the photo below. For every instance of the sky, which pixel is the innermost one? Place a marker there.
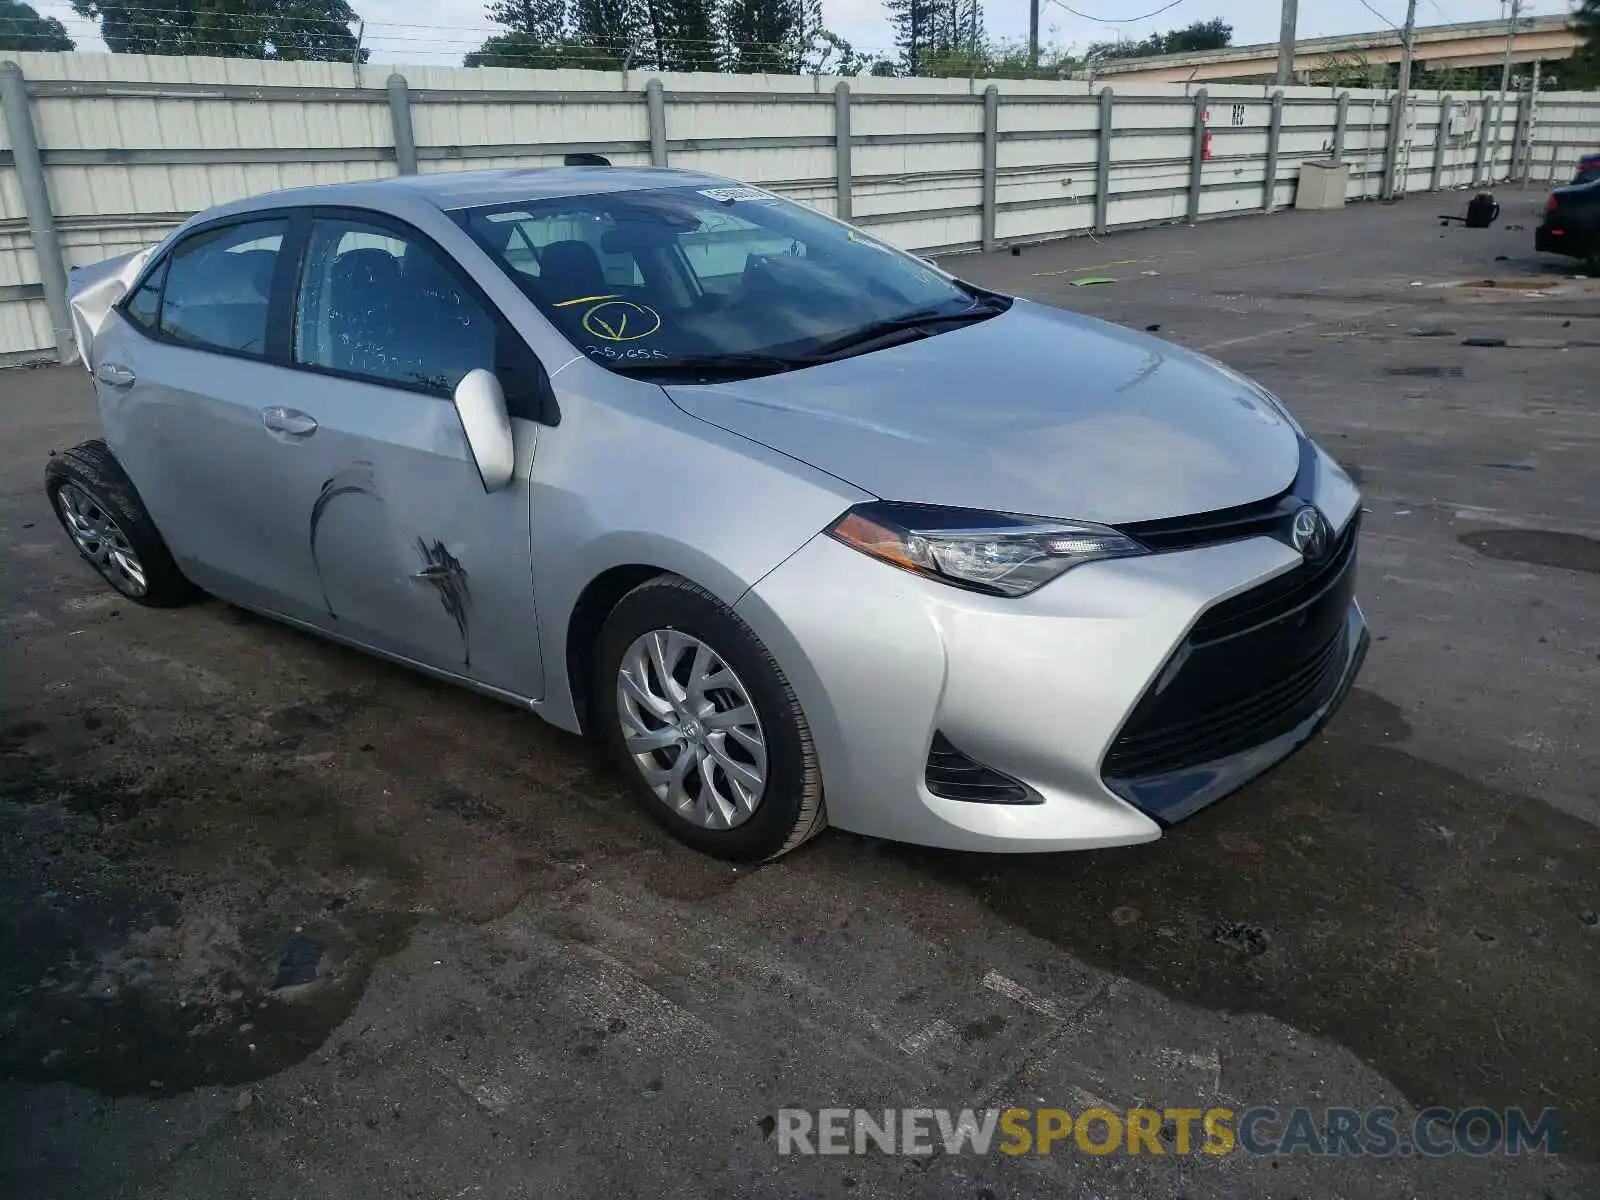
(440, 31)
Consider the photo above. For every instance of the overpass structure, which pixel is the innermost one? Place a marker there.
(1469, 44)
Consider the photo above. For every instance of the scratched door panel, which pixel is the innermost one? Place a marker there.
(408, 552)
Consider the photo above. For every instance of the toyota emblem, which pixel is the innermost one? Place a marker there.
(1310, 533)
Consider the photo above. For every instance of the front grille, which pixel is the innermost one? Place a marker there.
(1232, 728)
(955, 776)
(1253, 667)
(1280, 597)
(1270, 517)
(1262, 518)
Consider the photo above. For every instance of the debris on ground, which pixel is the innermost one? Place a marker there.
(1483, 341)
(299, 963)
(1152, 329)
(1439, 331)
(1089, 280)
(1236, 935)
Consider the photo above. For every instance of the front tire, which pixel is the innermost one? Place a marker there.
(699, 717)
(100, 509)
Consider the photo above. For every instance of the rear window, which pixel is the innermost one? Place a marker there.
(217, 286)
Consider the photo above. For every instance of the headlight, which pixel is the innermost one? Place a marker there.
(997, 553)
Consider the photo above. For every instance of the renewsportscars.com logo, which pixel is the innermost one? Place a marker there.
(1351, 1132)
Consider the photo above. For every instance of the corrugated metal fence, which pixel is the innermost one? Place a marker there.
(103, 154)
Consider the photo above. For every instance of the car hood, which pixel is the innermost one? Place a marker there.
(1036, 411)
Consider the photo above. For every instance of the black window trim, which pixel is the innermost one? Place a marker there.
(155, 333)
(547, 411)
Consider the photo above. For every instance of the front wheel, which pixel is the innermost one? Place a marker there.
(698, 715)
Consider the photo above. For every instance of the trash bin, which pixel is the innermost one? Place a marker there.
(1322, 184)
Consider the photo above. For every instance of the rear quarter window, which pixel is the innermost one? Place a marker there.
(217, 286)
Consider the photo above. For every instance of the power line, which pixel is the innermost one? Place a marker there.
(1380, 16)
(1115, 20)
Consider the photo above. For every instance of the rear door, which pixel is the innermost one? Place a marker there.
(408, 553)
(188, 369)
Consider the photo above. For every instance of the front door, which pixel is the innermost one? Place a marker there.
(408, 553)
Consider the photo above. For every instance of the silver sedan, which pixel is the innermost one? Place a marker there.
(806, 529)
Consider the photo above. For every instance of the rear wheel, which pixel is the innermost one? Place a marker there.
(698, 715)
(100, 509)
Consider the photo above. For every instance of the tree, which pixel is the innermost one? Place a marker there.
(607, 31)
(543, 20)
(771, 35)
(272, 29)
(681, 35)
(1582, 70)
(22, 28)
(519, 49)
(1202, 35)
(937, 36)
(1013, 60)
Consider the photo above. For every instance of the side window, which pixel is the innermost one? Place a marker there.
(143, 308)
(217, 287)
(384, 307)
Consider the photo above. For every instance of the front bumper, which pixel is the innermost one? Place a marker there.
(1038, 687)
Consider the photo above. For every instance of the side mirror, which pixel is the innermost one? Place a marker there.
(481, 406)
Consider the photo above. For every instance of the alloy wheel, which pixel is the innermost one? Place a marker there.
(691, 729)
(97, 535)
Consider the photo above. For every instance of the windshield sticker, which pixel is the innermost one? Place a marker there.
(729, 194)
(584, 300)
(620, 321)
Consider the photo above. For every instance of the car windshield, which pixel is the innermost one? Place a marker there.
(691, 284)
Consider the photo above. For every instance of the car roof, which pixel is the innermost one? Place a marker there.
(453, 190)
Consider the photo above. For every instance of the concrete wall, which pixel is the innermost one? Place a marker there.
(130, 145)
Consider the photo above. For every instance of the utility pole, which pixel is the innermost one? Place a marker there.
(1408, 39)
(1505, 85)
(1286, 39)
(1402, 99)
(1033, 35)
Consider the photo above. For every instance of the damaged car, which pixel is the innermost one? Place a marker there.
(806, 529)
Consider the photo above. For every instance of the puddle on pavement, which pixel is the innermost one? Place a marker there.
(1439, 929)
(214, 922)
(1541, 547)
(132, 973)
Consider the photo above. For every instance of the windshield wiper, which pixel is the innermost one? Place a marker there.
(919, 322)
(704, 368)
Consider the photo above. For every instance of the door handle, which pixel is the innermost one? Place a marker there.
(115, 374)
(289, 420)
